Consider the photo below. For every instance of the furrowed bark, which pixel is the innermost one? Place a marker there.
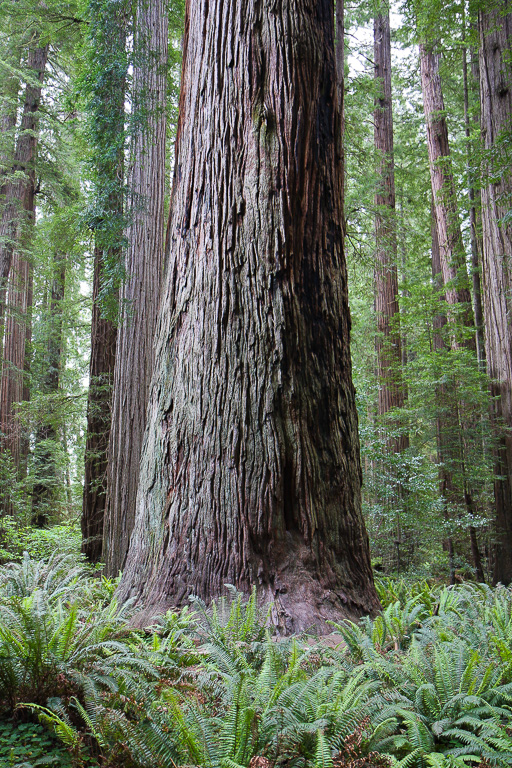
(250, 468)
(447, 489)
(453, 269)
(495, 33)
(140, 291)
(389, 345)
(107, 124)
(451, 249)
(340, 74)
(17, 203)
(101, 376)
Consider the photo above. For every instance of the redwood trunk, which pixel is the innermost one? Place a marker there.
(340, 74)
(451, 250)
(107, 116)
(444, 417)
(12, 386)
(250, 469)
(101, 375)
(495, 31)
(389, 347)
(457, 428)
(141, 290)
(16, 225)
(19, 190)
(46, 476)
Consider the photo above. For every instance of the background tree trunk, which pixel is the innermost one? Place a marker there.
(18, 192)
(44, 492)
(389, 347)
(16, 227)
(101, 376)
(140, 291)
(447, 489)
(107, 125)
(495, 31)
(451, 250)
(250, 468)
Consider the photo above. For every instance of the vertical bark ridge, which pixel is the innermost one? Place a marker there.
(250, 469)
(18, 191)
(389, 345)
(495, 32)
(140, 291)
(101, 375)
(451, 249)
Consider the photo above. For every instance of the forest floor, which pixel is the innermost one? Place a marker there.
(428, 682)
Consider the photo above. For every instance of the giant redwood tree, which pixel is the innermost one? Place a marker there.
(495, 31)
(250, 470)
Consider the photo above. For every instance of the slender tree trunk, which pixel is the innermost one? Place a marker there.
(451, 256)
(250, 468)
(474, 200)
(15, 230)
(101, 376)
(389, 347)
(141, 290)
(451, 250)
(107, 117)
(495, 32)
(12, 386)
(44, 492)
(447, 490)
(19, 189)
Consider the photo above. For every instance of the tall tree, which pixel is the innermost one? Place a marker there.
(106, 82)
(495, 32)
(140, 290)
(452, 262)
(389, 346)
(250, 468)
(15, 264)
(451, 249)
(46, 476)
(18, 189)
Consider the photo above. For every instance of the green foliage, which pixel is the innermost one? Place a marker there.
(30, 745)
(428, 682)
(39, 543)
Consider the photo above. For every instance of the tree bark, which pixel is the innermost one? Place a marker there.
(141, 289)
(18, 191)
(107, 125)
(340, 75)
(101, 375)
(495, 32)
(474, 201)
(389, 346)
(250, 469)
(447, 490)
(46, 479)
(12, 385)
(451, 250)
(15, 229)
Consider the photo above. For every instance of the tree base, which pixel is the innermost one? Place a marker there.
(301, 601)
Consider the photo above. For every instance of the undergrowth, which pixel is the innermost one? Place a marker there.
(427, 683)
